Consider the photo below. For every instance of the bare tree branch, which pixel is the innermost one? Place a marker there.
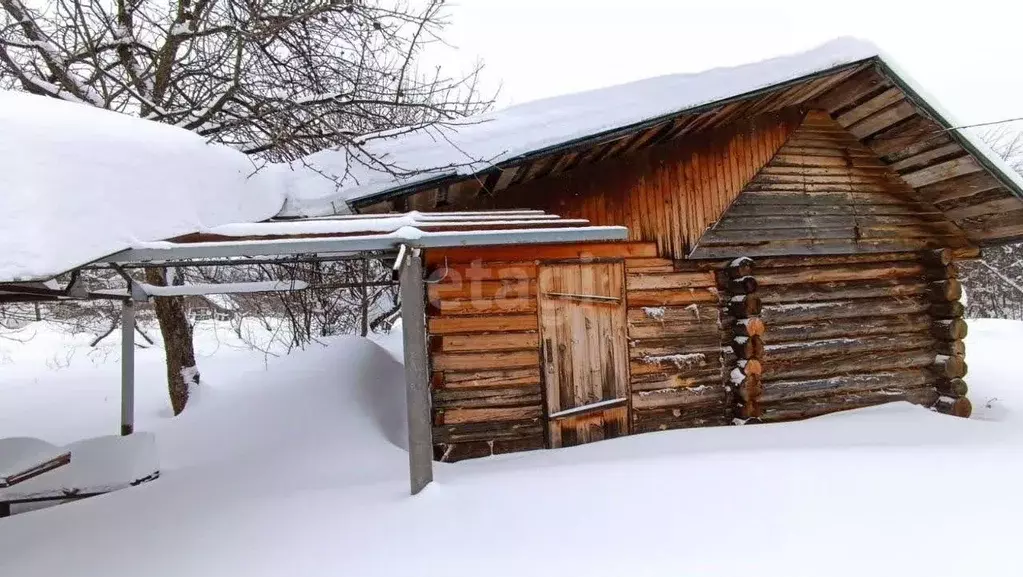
(277, 79)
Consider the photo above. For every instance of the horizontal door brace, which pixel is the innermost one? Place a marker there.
(596, 298)
(590, 408)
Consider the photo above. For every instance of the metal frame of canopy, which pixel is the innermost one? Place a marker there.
(354, 237)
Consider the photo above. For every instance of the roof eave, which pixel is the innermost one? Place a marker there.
(595, 139)
(956, 133)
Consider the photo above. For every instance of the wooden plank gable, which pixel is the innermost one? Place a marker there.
(824, 192)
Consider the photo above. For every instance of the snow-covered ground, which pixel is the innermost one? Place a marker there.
(291, 466)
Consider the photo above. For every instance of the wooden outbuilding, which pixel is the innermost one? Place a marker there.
(792, 252)
(757, 244)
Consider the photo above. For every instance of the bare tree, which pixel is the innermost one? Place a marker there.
(1007, 142)
(344, 297)
(276, 79)
(994, 284)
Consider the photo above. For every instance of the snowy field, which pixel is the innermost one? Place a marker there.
(289, 466)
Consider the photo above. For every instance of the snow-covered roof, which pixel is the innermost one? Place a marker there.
(477, 143)
(468, 147)
(77, 183)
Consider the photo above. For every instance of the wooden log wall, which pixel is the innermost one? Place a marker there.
(484, 343)
(710, 342)
(674, 345)
(842, 332)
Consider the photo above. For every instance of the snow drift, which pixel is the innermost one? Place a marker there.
(289, 469)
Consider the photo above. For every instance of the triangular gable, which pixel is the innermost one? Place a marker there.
(825, 192)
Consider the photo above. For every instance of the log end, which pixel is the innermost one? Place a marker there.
(937, 257)
(744, 306)
(950, 367)
(748, 347)
(950, 329)
(955, 388)
(750, 389)
(941, 272)
(952, 348)
(750, 327)
(956, 407)
(743, 285)
(751, 367)
(947, 310)
(739, 267)
(945, 290)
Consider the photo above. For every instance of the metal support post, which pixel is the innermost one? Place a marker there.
(413, 322)
(127, 367)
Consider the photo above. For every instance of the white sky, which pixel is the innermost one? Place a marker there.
(963, 52)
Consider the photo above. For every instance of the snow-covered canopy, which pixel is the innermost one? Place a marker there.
(477, 143)
(77, 183)
(361, 233)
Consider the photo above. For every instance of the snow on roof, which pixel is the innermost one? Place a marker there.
(476, 143)
(79, 183)
(393, 222)
(366, 233)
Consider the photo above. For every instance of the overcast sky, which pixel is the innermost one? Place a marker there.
(965, 53)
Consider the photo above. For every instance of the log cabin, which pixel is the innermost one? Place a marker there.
(793, 232)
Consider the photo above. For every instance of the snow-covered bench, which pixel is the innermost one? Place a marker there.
(98, 465)
(22, 458)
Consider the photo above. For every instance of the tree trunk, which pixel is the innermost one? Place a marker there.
(177, 338)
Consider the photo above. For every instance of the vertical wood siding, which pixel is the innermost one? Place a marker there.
(668, 194)
(583, 351)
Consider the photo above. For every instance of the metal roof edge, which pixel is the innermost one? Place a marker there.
(368, 243)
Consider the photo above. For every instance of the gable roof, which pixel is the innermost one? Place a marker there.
(494, 147)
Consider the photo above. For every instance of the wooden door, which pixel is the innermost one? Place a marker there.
(583, 350)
